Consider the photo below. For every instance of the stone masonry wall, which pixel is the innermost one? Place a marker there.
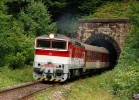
(115, 28)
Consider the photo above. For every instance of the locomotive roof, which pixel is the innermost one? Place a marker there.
(61, 36)
(95, 48)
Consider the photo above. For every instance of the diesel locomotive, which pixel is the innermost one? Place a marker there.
(58, 58)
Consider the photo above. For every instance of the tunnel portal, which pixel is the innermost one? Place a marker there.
(105, 32)
(103, 40)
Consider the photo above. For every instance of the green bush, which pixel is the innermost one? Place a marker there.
(127, 72)
(18, 31)
(37, 20)
(15, 61)
(89, 6)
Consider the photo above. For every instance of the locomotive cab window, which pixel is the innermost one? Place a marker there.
(43, 43)
(58, 44)
(51, 44)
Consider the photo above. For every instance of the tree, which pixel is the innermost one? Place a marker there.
(56, 7)
(5, 22)
(126, 78)
(37, 20)
(89, 6)
(18, 30)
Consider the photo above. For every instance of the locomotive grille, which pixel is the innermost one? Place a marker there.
(59, 71)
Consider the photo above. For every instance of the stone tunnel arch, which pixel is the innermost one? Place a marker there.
(105, 32)
(104, 40)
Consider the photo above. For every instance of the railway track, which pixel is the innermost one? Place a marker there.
(24, 91)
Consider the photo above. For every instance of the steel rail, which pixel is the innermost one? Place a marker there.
(18, 86)
(22, 91)
(25, 97)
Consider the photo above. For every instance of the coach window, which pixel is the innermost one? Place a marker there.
(104, 57)
(94, 56)
(99, 56)
(107, 57)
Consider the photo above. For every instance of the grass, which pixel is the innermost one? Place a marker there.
(91, 88)
(11, 77)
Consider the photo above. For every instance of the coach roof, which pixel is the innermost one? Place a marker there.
(95, 48)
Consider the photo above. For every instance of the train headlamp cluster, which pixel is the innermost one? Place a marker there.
(51, 36)
(57, 66)
(40, 65)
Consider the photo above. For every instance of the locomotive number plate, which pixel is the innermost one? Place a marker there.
(49, 65)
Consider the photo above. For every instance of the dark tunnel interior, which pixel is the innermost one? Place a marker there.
(112, 51)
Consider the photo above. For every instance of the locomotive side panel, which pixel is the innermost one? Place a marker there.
(77, 56)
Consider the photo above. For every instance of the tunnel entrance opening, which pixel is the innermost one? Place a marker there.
(103, 40)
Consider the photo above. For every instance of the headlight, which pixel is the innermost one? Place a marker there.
(40, 65)
(51, 36)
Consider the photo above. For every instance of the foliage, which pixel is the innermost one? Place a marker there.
(112, 9)
(127, 74)
(37, 20)
(89, 6)
(4, 31)
(58, 8)
(17, 32)
(12, 77)
(16, 51)
(55, 6)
